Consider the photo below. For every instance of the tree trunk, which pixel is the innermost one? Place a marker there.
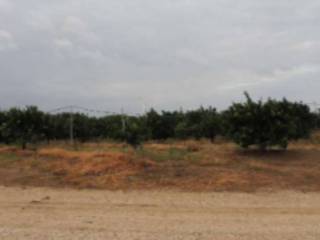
(24, 145)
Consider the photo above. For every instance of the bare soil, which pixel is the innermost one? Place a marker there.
(43, 213)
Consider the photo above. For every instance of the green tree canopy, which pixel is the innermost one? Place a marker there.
(267, 124)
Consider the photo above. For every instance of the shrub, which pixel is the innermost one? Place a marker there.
(200, 123)
(23, 126)
(134, 132)
(267, 124)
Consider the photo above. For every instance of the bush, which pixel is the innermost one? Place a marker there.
(23, 126)
(200, 123)
(134, 132)
(161, 126)
(3, 121)
(267, 124)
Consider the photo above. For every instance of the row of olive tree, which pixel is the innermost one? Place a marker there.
(262, 124)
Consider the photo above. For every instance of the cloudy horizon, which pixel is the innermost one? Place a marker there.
(138, 54)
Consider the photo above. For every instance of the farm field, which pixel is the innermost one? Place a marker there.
(164, 190)
(159, 120)
(43, 213)
(176, 165)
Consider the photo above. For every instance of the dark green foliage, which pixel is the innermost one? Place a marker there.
(316, 117)
(190, 126)
(111, 127)
(83, 126)
(3, 120)
(161, 126)
(58, 126)
(267, 124)
(264, 124)
(135, 132)
(23, 126)
(201, 123)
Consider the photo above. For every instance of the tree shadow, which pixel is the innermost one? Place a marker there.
(277, 155)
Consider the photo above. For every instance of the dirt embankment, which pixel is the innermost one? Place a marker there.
(190, 166)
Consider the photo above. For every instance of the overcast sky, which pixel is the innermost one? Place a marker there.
(167, 54)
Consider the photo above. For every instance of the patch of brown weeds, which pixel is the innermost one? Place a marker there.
(162, 146)
(210, 167)
(7, 149)
(17, 151)
(97, 169)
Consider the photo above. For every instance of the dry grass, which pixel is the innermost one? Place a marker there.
(186, 165)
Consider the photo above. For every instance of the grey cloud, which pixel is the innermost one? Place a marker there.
(133, 53)
(7, 41)
(5, 6)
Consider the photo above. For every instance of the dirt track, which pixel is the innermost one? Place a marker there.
(38, 213)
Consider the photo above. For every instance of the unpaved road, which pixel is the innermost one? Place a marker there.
(40, 213)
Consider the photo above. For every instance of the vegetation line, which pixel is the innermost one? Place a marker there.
(266, 124)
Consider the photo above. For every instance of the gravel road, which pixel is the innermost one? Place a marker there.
(41, 213)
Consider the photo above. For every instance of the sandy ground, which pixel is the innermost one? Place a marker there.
(41, 213)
